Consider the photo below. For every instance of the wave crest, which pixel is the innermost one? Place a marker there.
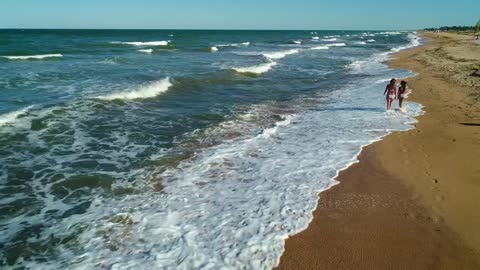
(146, 50)
(141, 43)
(258, 69)
(38, 57)
(281, 54)
(336, 45)
(320, 48)
(147, 91)
(10, 117)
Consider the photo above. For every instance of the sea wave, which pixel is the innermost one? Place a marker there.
(321, 48)
(329, 39)
(371, 40)
(147, 91)
(146, 50)
(414, 41)
(281, 54)
(213, 49)
(247, 43)
(389, 33)
(258, 69)
(315, 38)
(336, 45)
(142, 43)
(360, 42)
(375, 63)
(10, 117)
(37, 57)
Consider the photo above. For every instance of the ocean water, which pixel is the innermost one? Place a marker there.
(129, 149)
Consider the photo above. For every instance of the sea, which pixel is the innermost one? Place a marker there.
(181, 149)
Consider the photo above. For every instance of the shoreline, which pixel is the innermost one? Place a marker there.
(385, 214)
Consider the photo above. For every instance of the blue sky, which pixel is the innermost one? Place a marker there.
(238, 14)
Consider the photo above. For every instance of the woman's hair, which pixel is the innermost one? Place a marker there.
(392, 80)
(403, 83)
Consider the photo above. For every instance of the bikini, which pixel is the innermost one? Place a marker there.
(391, 92)
(401, 92)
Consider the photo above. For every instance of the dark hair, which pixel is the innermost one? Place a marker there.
(403, 82)
(393, 80)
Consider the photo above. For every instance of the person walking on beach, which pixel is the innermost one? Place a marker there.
(391, 93)
(402, 93)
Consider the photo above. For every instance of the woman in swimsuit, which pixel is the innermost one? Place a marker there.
(402, 93)
(391, 93)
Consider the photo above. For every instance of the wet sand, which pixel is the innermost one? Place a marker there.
(413, 200)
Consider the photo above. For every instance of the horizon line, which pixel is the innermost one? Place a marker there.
(202, 29)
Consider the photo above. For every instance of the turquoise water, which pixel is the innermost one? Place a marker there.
(119, 146)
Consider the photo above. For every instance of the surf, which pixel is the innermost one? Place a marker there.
(257, 69)
(280, 54)
(142, 43)
(147, 91)
(35, 57)
(11, 117)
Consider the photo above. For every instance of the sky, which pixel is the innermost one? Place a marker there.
(238, 14)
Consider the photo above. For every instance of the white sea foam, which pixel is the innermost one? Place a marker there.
(233, 205)
(368, 34)
(147, 91)
(280, 54)
(146, 51)
(321, 48)
(414, 41)
(371, 40)
(10, 117)
(329, 39)
(234, 44)
(213, 49)
(360, 42)
(315, 38)
(27, 57)
(258, 69)
(142, 43)
(298, 42)
(336, 45)
(375, 63)
(389, 33)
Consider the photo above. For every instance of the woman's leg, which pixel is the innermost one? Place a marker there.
(400, 102)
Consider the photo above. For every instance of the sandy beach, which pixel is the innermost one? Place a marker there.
(412, 200)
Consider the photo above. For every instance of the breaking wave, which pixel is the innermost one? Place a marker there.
(281, 54)
(10, 117)
(258, 69)
(37, 57)
(142, 44)
(147, 91)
